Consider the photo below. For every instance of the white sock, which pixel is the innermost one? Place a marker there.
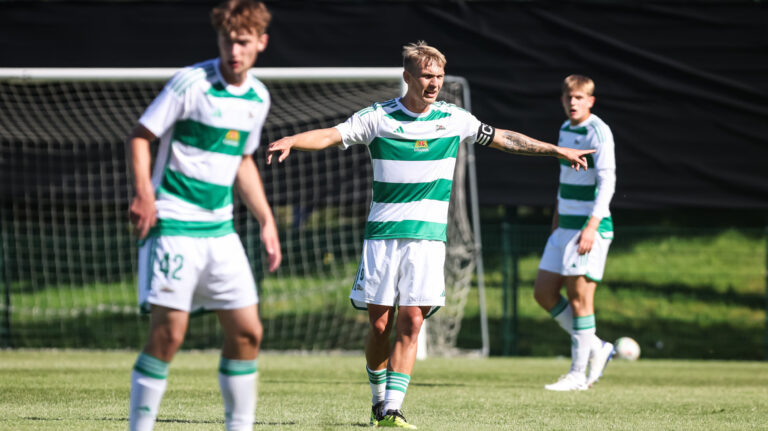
(237, 381)
(148, 382)
(563, 315)
(378, 381)
(397, 384)
(581, 342)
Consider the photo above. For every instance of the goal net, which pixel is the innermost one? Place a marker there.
(67, 257)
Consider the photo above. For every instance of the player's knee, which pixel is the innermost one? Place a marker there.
(250, 337)
(381, 328)
(165, 342)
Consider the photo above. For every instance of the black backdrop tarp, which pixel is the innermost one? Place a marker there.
(683, 85)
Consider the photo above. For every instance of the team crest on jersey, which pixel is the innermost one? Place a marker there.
(232, 138)
(421, 146)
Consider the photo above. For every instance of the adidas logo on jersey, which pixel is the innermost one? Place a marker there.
(399, 130)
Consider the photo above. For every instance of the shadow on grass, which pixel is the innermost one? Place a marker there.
(658, 338)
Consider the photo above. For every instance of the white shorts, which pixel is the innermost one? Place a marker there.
(561, 255)
(405, 272)
(195, 274)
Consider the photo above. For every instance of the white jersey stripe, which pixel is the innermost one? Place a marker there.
(171, 207)
(215, 168)
(424, 210)
(398, 171)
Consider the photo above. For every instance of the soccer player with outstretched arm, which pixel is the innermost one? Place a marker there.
(208, 118)
(582, 230)
(413, 142)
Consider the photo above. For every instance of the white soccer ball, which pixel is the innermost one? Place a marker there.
(627, 348)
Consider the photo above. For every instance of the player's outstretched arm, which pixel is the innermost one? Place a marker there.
(251, 190)
(142, 213)
(312, 140)
(517, 143)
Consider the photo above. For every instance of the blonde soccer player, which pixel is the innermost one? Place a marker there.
(413, 141)
(208, 118)
(582, 231)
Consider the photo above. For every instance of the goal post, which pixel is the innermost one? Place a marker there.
(68, 258)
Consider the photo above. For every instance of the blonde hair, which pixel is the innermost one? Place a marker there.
(578, 82)
(241, 15)
(418, 54)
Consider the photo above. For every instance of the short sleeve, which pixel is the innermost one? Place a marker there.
(360, 128)
(254, 137)
(163, 112)
(470, 126)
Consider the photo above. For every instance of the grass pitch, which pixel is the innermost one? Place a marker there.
(88, 390)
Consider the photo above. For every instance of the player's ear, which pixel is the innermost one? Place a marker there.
(263, 40)
(591, 102)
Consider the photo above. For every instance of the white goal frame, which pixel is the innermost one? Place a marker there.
(289, 74)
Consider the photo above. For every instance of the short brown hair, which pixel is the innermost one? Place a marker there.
(241, 15)
(578, 82)
(417, 54)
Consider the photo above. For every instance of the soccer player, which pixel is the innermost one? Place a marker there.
(209, 118)
(582, 230)
(413, 142)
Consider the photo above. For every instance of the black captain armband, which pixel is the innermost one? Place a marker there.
(485, 134)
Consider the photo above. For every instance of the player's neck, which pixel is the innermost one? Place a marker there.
(414, 104)
(577, 121)
(232, 78)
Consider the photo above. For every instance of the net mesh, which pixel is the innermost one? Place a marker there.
(68, 260)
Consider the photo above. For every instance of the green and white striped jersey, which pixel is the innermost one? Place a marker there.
(414, 157)
(587, 193)
(205, 127)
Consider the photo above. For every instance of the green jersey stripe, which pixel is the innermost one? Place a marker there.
(439, 190)
(414, 149)
(577, 192)
(579, 130)
(399, 115)
(590, 161)
(567, 221)
(195, 229)
(208, 138)
(413, 229)
(200, 193)
(218, 90)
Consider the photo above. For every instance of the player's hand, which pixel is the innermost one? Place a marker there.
(143, 214)
(577, 158)
(272, 244)
(586, 240)
(282, 146)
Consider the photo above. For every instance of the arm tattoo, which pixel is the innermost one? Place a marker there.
(521, 144)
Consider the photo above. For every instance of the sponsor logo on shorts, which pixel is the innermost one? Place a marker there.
(439, 127)
(358, 287)
(421, 146)
(166, 288)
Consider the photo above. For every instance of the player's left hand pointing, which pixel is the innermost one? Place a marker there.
(577, 158)
(282, 146)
